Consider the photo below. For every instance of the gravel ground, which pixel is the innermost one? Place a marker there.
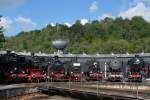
(40, 96)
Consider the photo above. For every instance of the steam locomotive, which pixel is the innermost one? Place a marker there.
(76, 73)
(114, 71)
(34, 69)
(12, 68)
(15, 68)
(56, 70)
(95, 71)
(136, 69)
(21, 68)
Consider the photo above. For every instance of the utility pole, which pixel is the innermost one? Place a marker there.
(105, 70)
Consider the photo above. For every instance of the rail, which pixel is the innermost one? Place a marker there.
(129, 89)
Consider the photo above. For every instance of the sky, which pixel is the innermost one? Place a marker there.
(27, 15)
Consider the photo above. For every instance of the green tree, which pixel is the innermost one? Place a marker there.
(2, 38)
(106, 36)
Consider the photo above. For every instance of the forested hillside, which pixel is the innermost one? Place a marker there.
(105, 36)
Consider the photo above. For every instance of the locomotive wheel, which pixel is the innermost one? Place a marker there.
(140, 80)
(34, 80)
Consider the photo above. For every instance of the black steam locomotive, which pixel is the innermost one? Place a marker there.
(11, 67)
(136, 69)
(95, 71)
(56, 70)
(17, 68)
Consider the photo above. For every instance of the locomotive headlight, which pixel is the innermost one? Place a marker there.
(71, 72)
(23, 72)
(15, 68)
(11, 72)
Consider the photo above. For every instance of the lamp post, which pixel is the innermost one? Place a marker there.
(97, 81)
(105, 70)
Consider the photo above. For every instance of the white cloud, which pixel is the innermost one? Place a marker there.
(83, 21)
(5, 23)
(10, 3)
(104, 16)
(135, 2)
(52, 24)
(94, 7)
(25, 24)
(67, 24)
(25, 21)
(138, 10)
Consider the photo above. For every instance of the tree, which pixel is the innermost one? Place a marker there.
(106, 36)
(2, 38)
(119, 46)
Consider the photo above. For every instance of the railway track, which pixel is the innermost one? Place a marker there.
(136, 89)
(100, 88)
